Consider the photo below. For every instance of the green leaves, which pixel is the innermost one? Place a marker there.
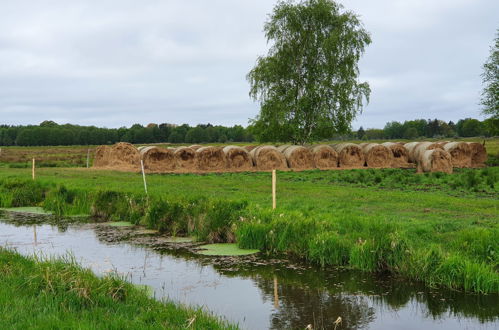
(490, 78)
(307, 84)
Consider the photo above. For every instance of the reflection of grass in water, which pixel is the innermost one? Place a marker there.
(120, 224)
(32, 210)
(224, 250)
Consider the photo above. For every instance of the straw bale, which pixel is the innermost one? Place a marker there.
(102, 154)
(299, 158)
(422, 147)
(249, 148)
(283, 147)
(124, 156)
(377, 155)
(414, 149)
(325, 157)
(158, 159)
(185, 159)
(210, 159)
(195, 147)
(238, 158)
(268, 158)
(349, 155)
(460, 153)
(400, 158)
(478, 154)
(435, 160)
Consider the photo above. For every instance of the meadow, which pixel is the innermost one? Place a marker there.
(441, 229)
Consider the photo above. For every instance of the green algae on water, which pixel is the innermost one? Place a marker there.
(225, 249)
(26, 209)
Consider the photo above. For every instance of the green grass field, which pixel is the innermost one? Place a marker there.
(58, 294)
(438, 228)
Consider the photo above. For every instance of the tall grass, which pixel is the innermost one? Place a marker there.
(58, 294)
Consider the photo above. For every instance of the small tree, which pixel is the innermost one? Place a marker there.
(490, 78)
(308, 84)
(361, 133)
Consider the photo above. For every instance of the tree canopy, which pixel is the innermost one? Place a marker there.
(307, 84)
(490, 78)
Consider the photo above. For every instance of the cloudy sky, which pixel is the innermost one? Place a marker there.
(118, 62)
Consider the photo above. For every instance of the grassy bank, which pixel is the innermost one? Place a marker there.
(437, 228)
(58, 294)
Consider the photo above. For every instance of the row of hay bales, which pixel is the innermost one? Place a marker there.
(427, 156)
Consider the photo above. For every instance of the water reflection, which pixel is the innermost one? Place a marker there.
(247, 292)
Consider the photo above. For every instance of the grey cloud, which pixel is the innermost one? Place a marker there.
(116, 63)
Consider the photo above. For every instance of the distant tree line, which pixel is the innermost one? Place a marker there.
(421, 128)
(49, 133)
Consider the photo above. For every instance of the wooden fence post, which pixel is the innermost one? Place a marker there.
(88, 157)
(33, 169)
(143, 175)
(274, 179)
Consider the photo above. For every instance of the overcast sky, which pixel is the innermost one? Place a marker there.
(118, 62)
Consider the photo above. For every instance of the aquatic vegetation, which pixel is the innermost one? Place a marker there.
(227, 249)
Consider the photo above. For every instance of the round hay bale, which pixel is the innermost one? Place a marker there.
(210, 159)
(283, 147)
(435, 160)
(349, 155)
(141, 147)
(299, 158)
(400, 158)
(422, 147)
(158, 159)
(478, 154)
(124, 156)
(410, 146)
(377, 155)
(460, 153)
(195, 147)
(185, 159)
(102, 154)
(249, 148)
(238, 158)
(267, 158)
(325, 157)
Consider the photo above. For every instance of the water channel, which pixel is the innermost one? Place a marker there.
(260, 293)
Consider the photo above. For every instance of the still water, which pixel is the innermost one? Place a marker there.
(263, 294)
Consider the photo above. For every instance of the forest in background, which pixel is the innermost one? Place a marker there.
(49, 133)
